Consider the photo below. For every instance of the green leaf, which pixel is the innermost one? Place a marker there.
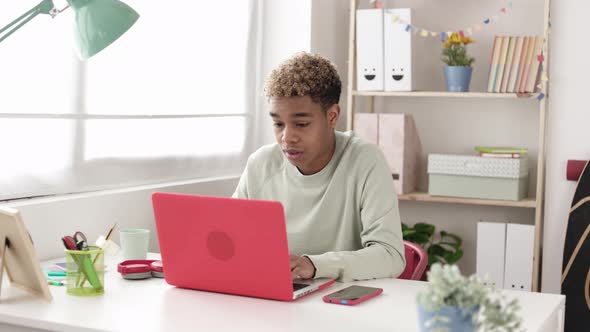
(425, 228)
(453, 257)
(445, 236)
(437, 250)
(407, 233)
(421, 238)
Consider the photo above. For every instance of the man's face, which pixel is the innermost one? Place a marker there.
(304, 131)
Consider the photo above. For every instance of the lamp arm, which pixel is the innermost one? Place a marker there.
(44, 7)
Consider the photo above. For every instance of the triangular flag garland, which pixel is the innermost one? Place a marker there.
(468, 31)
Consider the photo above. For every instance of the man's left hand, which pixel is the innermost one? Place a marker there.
(301, 267)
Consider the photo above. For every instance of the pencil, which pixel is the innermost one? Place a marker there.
(110, 232)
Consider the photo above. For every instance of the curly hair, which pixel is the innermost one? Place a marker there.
(306, 74)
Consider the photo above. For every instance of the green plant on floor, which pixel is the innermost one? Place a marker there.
(443, 247)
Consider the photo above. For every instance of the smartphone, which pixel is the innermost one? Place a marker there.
(352, 295)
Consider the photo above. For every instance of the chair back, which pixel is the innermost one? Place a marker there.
(416, 261)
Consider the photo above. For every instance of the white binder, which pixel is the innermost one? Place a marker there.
(491, 239)
(369, 50)
(397, 43)
(519, 257)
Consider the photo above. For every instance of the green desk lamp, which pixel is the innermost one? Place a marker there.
(98, 22)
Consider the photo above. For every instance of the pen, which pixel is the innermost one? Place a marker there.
(56, 273)
(110, 232)
(55, 283)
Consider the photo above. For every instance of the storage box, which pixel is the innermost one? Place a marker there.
(397, 137)
(398, 50)
(369, 50)
(477, 177)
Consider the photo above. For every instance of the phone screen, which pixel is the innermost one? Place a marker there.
(352, 293)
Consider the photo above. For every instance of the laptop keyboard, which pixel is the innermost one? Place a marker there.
(298, 286)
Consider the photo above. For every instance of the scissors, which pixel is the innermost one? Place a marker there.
(81, 241)
(76, 242)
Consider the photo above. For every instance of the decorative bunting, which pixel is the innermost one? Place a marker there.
(540, 58)
(544, 77)
(428, 33)
(540, 96)
(377, 3)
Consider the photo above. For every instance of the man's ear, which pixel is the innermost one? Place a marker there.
(333, 113)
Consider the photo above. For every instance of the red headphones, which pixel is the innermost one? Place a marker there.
(141, 269)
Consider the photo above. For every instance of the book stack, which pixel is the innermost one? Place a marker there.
(515, 64)
(500, 152)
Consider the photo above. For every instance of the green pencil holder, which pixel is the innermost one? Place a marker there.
(85, 271)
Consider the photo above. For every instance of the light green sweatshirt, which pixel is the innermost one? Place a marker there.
(345, 218)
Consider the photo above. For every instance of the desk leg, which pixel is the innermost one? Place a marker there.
(561, 319)
(3, 255)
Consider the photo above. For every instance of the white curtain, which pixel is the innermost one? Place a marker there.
(177, 97)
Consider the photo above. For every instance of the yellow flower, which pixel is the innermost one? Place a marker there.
(467, 40)
(456, 39)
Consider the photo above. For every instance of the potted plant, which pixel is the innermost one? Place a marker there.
(444, 248)
(453, 302)
(458, 64)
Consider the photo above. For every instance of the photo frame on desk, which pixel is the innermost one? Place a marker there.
(18, 257)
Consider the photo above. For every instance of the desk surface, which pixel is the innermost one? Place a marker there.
(153, 305)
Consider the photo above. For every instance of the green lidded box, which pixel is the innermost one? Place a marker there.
(477, 177)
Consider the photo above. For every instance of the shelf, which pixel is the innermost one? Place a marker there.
(442, 94)
(424, 197)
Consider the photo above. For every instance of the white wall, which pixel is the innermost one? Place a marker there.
(567, 137)
(329, 37)
(286, 30)
(568, 120)
(49, 219)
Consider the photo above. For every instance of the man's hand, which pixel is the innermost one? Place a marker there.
(301, 267)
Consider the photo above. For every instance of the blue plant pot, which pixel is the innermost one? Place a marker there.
(458, 78)
(448, 318)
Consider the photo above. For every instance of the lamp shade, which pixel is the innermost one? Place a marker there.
(99, 23)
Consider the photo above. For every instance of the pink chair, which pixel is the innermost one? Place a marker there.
(416, 261)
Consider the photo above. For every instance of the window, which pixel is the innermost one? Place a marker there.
(165, 102)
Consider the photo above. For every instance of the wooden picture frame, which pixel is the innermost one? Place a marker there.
(18, 257)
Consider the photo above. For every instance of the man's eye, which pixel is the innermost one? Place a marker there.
(278, 125)
(302, 124)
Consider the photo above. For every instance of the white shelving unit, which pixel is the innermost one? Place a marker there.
(536, 202)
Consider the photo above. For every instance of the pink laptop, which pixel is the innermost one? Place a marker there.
(227, 245)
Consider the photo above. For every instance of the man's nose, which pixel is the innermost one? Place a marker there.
(289, 135)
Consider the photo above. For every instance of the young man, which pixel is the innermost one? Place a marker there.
(337, 190)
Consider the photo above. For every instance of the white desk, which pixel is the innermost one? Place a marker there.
(153, 305)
